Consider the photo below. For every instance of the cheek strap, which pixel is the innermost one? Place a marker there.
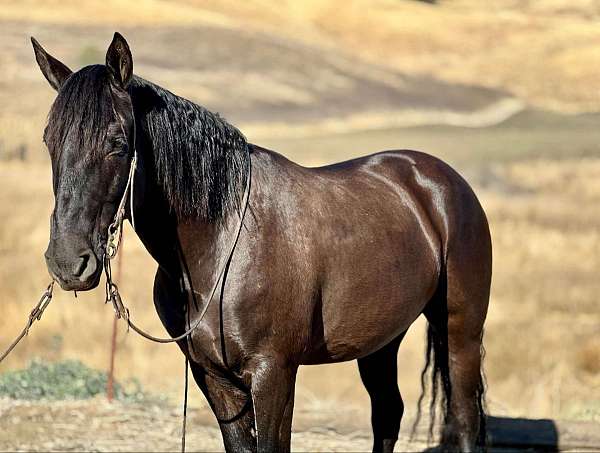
(115, 229)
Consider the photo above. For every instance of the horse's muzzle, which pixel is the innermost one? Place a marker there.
(79, 272)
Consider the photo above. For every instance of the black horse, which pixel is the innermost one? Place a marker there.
(332, 263)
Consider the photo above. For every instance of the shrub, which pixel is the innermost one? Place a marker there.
(69, 379)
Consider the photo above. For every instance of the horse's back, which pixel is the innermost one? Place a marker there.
(395, 181)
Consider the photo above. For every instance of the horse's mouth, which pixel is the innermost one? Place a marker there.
(79, 285)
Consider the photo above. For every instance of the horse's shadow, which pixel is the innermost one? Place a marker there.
(509, 434)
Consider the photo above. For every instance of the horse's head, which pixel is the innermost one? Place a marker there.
(89, 135)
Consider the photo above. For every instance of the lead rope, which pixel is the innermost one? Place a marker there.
(35, 315)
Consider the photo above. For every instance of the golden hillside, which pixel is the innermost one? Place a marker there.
(353, 77)
(545, 52)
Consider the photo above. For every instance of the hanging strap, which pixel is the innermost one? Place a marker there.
(185, 403)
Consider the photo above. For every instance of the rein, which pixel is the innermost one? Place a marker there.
(115, 233)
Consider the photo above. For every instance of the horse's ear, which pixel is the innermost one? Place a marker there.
(55, 72)
(119, 61)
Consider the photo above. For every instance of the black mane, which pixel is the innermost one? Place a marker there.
(201, 161)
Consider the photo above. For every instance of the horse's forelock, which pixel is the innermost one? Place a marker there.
(81, 112)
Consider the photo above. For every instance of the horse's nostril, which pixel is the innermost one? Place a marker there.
(86, 266)
(80, 265)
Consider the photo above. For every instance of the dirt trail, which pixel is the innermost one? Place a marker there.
(95, 425)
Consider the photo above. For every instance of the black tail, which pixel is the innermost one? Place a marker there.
(436, 364)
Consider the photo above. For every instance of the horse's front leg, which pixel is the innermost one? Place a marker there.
(272, 387)
(232, 407)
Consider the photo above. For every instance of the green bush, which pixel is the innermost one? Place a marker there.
(69, 379)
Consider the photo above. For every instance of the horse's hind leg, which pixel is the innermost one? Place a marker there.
(379, 372)
(457, 322)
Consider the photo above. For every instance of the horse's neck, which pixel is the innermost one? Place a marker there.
(154, 213)
(156, 224)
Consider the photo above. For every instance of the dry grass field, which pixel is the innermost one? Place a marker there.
(490, 87)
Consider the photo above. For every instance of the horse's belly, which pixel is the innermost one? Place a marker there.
(375, 299)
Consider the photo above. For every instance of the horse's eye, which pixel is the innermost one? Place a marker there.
(118, 153)
(121, 150)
